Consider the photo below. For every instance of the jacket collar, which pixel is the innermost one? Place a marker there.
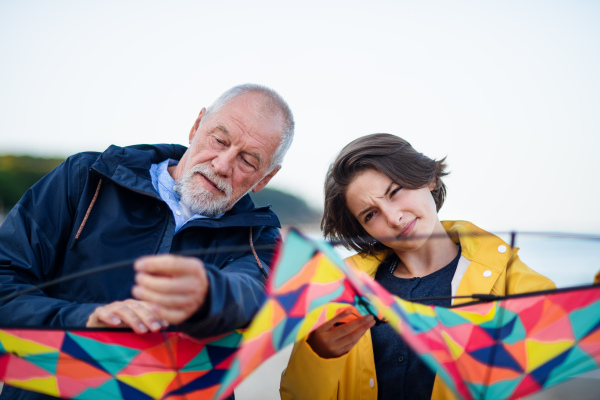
(476, 244)
(130, 167)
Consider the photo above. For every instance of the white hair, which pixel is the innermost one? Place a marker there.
(274, 102)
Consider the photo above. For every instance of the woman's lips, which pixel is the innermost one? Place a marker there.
(408, 228)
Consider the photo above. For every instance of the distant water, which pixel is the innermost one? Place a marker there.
(567, 261)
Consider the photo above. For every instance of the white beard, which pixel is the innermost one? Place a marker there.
(198, 199)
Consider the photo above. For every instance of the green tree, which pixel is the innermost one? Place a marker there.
(19, 173)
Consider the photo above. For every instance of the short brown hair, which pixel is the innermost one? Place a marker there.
(388, 154)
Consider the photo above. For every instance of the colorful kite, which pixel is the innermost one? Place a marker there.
(502, 349)
(305, 289)
(104, 364)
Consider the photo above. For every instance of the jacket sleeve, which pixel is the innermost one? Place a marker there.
(309, 376)
(236, 291)
(32, 239)
(522, 279)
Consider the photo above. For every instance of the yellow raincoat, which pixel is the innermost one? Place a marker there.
(481, 269)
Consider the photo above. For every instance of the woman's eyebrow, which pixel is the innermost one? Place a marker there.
(387, 190)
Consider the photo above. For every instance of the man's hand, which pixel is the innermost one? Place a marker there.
(175, 286)
(330, 341)
(129, 313)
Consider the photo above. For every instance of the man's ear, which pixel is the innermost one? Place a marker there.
(263, 182)
(197, 124)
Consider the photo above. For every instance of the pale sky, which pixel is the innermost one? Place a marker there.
(509, 91)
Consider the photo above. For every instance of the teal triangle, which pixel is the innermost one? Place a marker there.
(232, 373)
(199, 363)
(448, 317)
(330, 252)
(422, 323)
(112, 357)
(296, 252)
(231, 340)
(108, 390)
(325, 299)
(2, 349)
(502, 317)
(584, 319)
(443, 373)
(499, 390)
(518, 333)
(47, 361)
(278, 333)
(577, 361)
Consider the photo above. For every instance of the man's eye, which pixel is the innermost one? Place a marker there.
(248, 163)
(218, 141)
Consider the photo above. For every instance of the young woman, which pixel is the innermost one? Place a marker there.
(382, 197)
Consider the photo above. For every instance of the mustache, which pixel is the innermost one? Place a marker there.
(215, 179)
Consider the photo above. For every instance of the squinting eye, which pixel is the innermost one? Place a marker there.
(395, 191)
(369, 216)
(248, 163)
(218, 141)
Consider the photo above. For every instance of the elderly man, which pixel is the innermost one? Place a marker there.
(148, 201)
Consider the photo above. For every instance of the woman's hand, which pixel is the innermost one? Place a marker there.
(330, 341)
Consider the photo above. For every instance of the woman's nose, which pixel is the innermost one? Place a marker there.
(393, 217)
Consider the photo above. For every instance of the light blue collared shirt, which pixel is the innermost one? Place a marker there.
(165, 186)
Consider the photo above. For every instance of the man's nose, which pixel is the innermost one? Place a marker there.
(222, 163)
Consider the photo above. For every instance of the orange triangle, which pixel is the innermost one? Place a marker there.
(70, 367)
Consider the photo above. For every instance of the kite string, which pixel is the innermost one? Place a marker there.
(237, 248)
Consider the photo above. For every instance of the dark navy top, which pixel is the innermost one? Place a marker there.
(401, 374)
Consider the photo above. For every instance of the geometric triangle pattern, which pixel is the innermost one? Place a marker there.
(115, 364)
(305, 290)
(501, 349)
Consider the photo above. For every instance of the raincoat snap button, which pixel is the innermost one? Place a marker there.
(401, 359)
(487, 273)
(371, 382)
(502, 248)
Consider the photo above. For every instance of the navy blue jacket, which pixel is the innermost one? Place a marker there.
(128, 220)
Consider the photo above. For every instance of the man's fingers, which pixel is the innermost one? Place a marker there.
(168, 264)
(163, 284)
(170, 300)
